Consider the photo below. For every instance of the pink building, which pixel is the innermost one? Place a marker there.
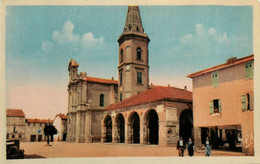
(223, 105)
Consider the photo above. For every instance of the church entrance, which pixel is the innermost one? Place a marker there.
(135, 128)
(186, 124)
(120, 121)
(108, 126)
(153, 128)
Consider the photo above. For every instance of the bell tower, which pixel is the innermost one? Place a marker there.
(133, 65)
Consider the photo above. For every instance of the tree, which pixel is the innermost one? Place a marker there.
(49, 130)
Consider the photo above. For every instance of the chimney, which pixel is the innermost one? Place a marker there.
(168, 85)
(112, 78)
(185, 87)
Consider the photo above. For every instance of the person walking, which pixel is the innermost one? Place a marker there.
(207, 147)
(190, 148)
(181, 147)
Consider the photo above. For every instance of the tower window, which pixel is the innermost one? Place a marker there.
(121, 78)
(121, 97)
(138, 53)
(139, 77)
(121, 55)
(137, 29)
(101, 100)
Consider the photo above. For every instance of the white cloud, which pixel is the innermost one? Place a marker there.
(199, 29)
(68, 38)
(201, 34)
(186, 38)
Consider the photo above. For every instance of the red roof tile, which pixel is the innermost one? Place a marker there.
(221, 66)
(99, 80)
(152, 95)
(62, 116)
(37, 120)
(14, 113)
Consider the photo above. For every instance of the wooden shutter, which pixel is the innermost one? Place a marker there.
(243, 102)
(252, 101)
(214, 77)
(249, 70)
(219, 106)
(211, 110)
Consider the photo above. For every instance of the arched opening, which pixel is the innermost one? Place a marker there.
(120, 121)
(135, 128)
(138, 53)
(108, 129)
(153, 127)
(186, 124)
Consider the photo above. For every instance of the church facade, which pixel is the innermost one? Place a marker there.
(127, 110)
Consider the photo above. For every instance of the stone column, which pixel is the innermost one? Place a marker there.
(84, 93)
(77, 127)
(162, 134)
(127, 133)
(114, 132)
(88, 134)
(142, 133)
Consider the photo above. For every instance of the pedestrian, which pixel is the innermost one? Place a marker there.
(181, 147)
(207, 147)
(190, 148)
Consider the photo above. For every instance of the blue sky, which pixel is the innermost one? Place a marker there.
(40, 41)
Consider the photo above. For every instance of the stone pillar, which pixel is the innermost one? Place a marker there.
(84, 93)
(88, 127)
(162, 134)
(77, 127)
(145, 135)
(114, 133)
(197, 138)
(142, 132)
(127, 133)
(103, 131)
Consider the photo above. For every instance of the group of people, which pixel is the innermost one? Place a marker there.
(181, 146)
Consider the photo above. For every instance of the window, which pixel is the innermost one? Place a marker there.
(214, 77)
(121, 97)
(7, 136)
(101, 100)
(247, 102)
(13, 136)
(14, 129)
(139, 53)
(121, 55)
(215, 106)
(139, 77)
(249, 70)
(121, 78)
(20, 136)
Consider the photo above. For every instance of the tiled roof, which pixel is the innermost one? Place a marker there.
(37, 120)
(14, 113)
(221, 66)
(62, 116)
(154, 94)
(99, 80)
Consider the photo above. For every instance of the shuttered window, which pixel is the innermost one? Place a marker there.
(244, 102)
(247, 101)
(249, 70)
(215, 106)
(214, 77)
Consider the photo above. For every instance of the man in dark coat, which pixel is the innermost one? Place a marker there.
(181, 147)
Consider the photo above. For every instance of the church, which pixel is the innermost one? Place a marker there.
(127, 110)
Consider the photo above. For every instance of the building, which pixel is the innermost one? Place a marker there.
(15, 124)
(88, 97)
(223, 104)
(60, 123)
(128, 110)
(34, 129)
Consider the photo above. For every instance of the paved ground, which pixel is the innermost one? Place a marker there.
(65, 149)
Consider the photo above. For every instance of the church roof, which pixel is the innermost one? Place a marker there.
(37, 120)
(230, 62)
(14, 113)
(100, 80)
(154, 94)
